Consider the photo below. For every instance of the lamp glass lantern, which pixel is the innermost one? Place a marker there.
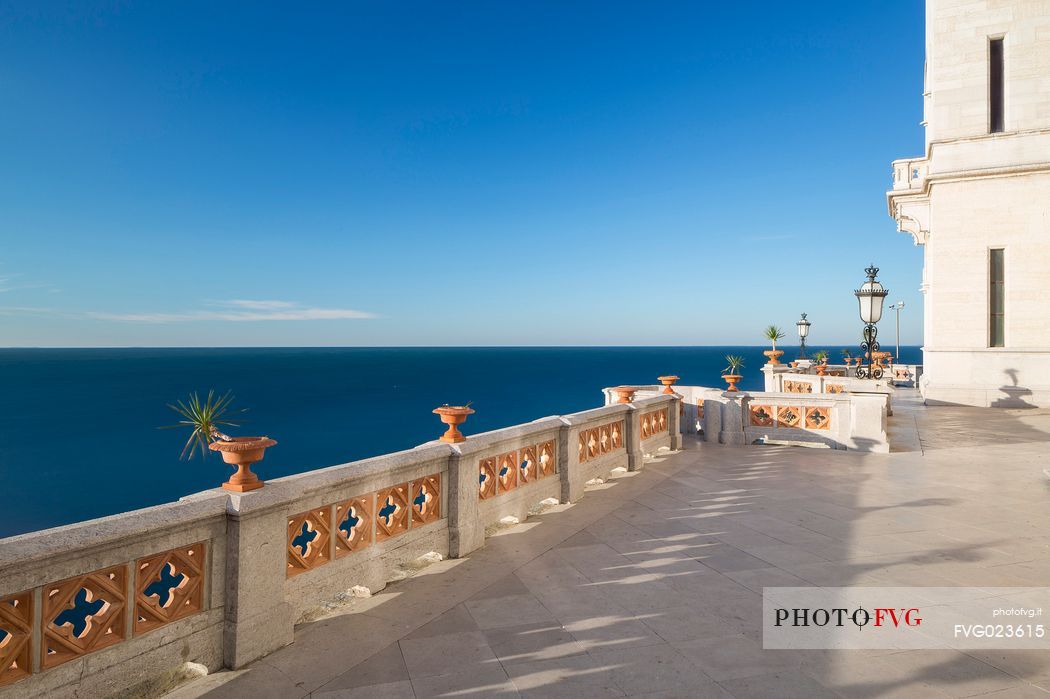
(803, 333)
(870, 296)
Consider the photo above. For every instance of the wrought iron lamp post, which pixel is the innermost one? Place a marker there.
(871, 296)
(803, 333)
(897, 307)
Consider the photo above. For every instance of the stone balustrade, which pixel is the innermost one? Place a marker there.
(220, 578)
(850, 420)
(837, 379)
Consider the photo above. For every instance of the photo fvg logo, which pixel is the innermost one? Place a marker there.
(895, 617)
(904, 617)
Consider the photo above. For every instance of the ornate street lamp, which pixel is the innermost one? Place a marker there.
(870, 295)
(803, 333)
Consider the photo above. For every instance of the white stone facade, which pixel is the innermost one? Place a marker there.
(974, 191)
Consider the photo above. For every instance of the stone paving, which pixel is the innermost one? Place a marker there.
(651, 585)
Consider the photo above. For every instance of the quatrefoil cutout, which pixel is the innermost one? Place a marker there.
(163, 588)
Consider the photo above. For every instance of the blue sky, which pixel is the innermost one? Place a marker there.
(454, 173)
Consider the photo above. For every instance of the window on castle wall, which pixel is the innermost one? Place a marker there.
(996, 298)
(996, 92)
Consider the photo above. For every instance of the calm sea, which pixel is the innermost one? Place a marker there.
(78, 428)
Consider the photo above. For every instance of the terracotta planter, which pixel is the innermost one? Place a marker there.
(821, 369)
(625, 394)
(774, 356)
(453, 416)
(242, 452)
(667, 381)
(794, 364)
(732, 380)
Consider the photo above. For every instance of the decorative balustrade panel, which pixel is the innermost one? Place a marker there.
(653, 423)
(392, 512)
(834, 388)
(506, 472)
(16, 621)
(601, 440)
(169, 586)
(82, 615)
(527, 465)
(547, 465)
(789, 417)
(308, 540)
(798, 387)
(426, 499)
(761, 416)
(353, 524)
(514, 469)
(818, 418)
(487, 478)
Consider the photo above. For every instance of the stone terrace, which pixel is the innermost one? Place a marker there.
(652, 586)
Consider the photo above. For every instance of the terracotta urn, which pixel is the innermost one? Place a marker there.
(453, 416)
(242, 452)
(821, 369)
(625, 394)
(732, 380)
(774, 356)
(794, 364)
(667, 381)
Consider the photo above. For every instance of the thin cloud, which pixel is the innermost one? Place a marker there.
(256, 305)
(27, 311)
(240, 310)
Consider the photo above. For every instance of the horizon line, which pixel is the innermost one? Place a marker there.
(814, 348)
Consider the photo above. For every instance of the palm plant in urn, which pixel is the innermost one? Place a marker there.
(731, 373)
(204, 418)
(821, 359)
(773, 333)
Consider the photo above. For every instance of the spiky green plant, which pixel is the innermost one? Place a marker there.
(735, 362)
(203, 418)
(820, 356)
(773, 333)
(846, 354)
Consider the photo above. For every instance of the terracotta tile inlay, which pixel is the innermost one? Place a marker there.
(391, 511)
(653, 423)
(169, 586)
(487, 478)
(308, 539)
(788, 416)
(761, 416)
(527, 465)
(353, 524)
(426, 499)
(16, 621)
(547, 464)
(506, 472)
(600, 440)
(818, 418)
(82, 615)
